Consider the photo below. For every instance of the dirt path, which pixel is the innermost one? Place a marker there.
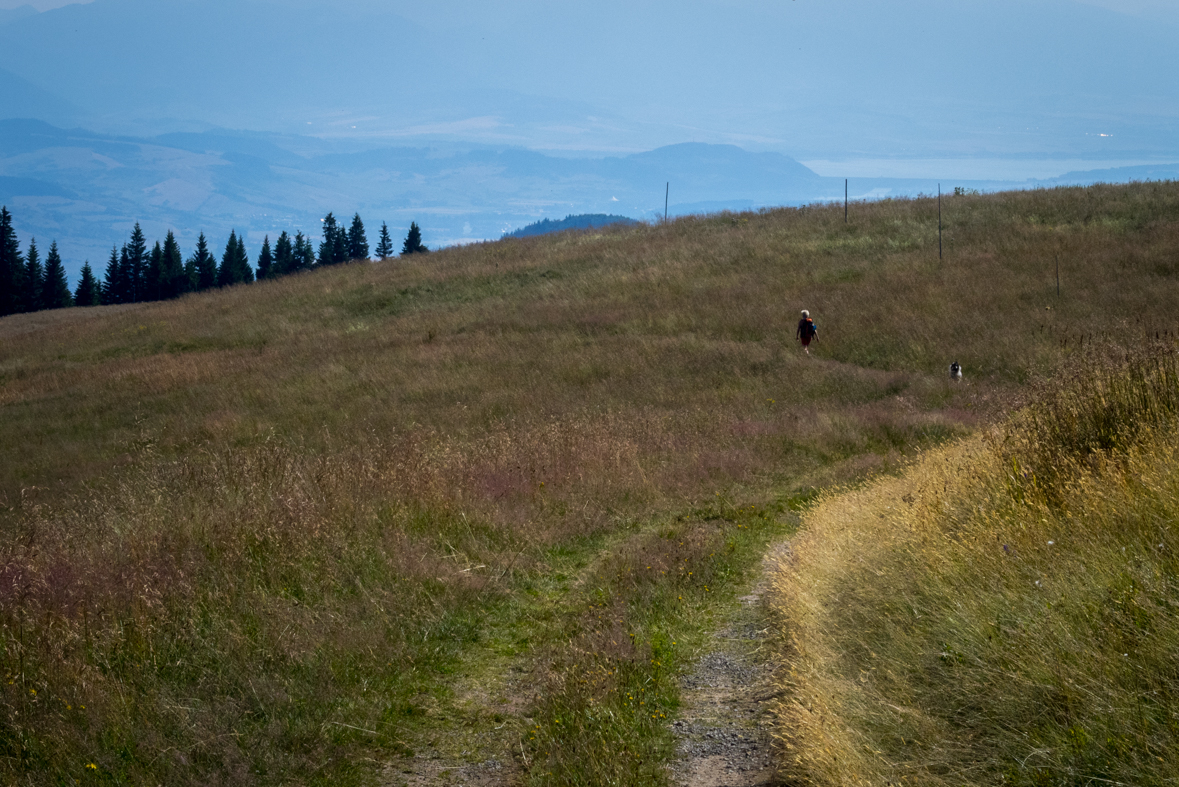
(475, 732)
(722, 731)
(724, 727)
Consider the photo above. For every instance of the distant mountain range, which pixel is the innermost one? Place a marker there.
(920, 78)
(584, 221)
(87, 190)
(8, 15)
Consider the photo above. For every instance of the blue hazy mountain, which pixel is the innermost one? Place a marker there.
(8, 15)
(20, 98)
(86, 190)
(911, 78)
(582, 221)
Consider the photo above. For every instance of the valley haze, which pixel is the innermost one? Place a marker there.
(477, 119)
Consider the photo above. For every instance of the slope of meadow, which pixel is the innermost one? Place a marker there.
(263, 535)
(1004, 612)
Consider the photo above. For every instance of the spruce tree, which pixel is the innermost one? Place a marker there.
(413, 241)
(55, 290)
(225, 269)
(227, 273)
(173, 280)
(340, 250)
(190, 275)
(152, 275)
(384, 248)
(327, 247)
(136, 273)
(126, 277)
(304, 253)
(202, 266)
(88, 292)
(110, 283)
(357, 242)
(243, 262)
(11, 267)
(266, 261)
(34, 277)
(284, 255)
(235, 264)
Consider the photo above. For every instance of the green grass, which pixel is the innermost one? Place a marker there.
(634, 627)
(283, 533)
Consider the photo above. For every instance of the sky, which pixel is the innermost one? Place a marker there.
(1145, 7)
(817, 80)
(40, 5)
(1162, 10)
(458, 11)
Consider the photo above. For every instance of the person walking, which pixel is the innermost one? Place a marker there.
(806, 331)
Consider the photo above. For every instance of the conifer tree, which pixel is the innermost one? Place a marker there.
(126, 280)
(173, 280)
(384, 248)
(88, 292)
(357, 242)
(229, 273)
(110, 282)
(284, 256)
(266, 261)
(34, 277)
(11, 267)
(413, 241)
(136, 273)
(243, 261)
(225, 269)
(152, 275)
(304, 253)
(202, 266)
(327, 247)
(340, 251)
(55, 290)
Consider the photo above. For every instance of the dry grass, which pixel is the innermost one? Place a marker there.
(1004, 612)
(251, 530)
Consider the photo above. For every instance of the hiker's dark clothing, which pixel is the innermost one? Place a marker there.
(806, 330)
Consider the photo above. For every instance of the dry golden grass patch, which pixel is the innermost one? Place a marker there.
(1004, 611)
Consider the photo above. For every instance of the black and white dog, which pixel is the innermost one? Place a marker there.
(956, 371)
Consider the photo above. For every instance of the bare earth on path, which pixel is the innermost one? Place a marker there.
(723, 729)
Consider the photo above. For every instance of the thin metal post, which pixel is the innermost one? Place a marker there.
(939, 221)
(666, 194)
(1057, 275)
(845, 200)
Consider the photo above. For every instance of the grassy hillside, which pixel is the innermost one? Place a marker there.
(1004, 611)
(296, 531)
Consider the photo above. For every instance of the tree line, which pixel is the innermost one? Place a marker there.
(135, 274)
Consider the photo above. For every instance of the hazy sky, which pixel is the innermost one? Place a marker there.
(1161, 9)
(810, 78)
(952, 89)
(1166, 10)
(40, 5)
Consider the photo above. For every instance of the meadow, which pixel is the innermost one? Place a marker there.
(1003, 612)
(483, 503)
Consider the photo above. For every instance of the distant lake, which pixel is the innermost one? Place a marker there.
(947, 170)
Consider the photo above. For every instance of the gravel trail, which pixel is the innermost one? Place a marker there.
(724, 727)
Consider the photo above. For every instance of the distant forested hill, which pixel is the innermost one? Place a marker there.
(582, 221)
